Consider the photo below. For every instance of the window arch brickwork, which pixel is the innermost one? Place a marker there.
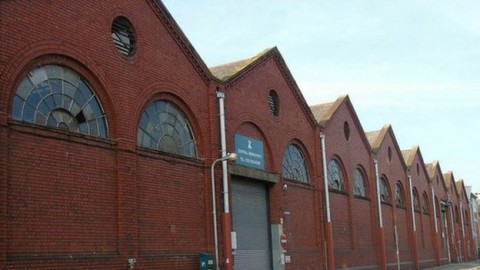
(164, 127)
(384, 194)
(58, 97)
(359, 183)
(293, 164)
(416, 202)
(399, 195)
(335, 177)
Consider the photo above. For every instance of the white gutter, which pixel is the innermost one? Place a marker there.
(434, 211)
(325, 177)
(223, 146)
(451, 213)
(411, 203)
(380, 220)
(461, 215)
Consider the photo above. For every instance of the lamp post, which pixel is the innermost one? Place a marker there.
(232, 157)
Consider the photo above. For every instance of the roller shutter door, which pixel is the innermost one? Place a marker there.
(250, 222)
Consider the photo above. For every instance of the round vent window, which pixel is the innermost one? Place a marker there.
(123, 36)
(273, 102)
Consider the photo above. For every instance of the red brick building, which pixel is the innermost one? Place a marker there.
(111, 126)
(351, 185)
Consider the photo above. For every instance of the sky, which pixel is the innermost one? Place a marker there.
(414, 64)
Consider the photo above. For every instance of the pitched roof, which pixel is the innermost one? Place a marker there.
(450, 181)
(409, 155)
(177, 34)
(323, 112)
(375, 138)
(226, 71)
(431, 167)
(461, 188)
(231, 73)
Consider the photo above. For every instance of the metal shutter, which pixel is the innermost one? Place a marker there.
(250, 222)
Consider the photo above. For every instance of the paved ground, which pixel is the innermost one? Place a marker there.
(458, 266)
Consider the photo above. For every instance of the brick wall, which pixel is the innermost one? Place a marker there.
(75, 201)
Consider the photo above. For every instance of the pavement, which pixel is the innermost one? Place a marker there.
(474, 265)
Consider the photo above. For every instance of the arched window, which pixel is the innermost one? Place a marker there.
(58, 97)
(359, 183)
(416, 203)
(384, 194)
(425, 204)
(335, 177)
(293, 165)
(164, 127)
(399, 195)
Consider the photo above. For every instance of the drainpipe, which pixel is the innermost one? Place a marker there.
(226, 216)
(461, 215)
(383, 254)
(463, 228)
(446, 236)
(396, 247)
(328, 227)
(453, 230)
(435, 239)
(411, 203)
(415, 245)
(434, 210)
(377, 178)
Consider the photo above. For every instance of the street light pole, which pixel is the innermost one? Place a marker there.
(232, 157)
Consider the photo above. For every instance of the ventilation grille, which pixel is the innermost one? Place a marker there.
(273, 102)
(123, 36)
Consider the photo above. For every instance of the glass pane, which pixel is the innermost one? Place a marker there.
(28, 113)
(38, 75)
(71, 77)
(293, 165)
(93, 127)
(56, 86)
(50, 101)
(54, 72)
(24, 89)
(69, 90)
(162, 131)
(17, 108)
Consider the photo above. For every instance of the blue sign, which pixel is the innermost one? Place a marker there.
(249, 152)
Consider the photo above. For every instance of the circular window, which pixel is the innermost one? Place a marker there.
(273, 102)
(123, 36)
(346, 130)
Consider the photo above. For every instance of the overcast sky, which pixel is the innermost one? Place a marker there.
(413, 64)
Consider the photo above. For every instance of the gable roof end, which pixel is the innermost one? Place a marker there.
(224, 72)
(323, 112)
(176, 32)
(375, 138)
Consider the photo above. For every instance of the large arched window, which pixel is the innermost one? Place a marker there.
(293, 165)
(164, 127)
(335, 177)
(359, 183)
(58, 97)
(399, 195)
(384, 194)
